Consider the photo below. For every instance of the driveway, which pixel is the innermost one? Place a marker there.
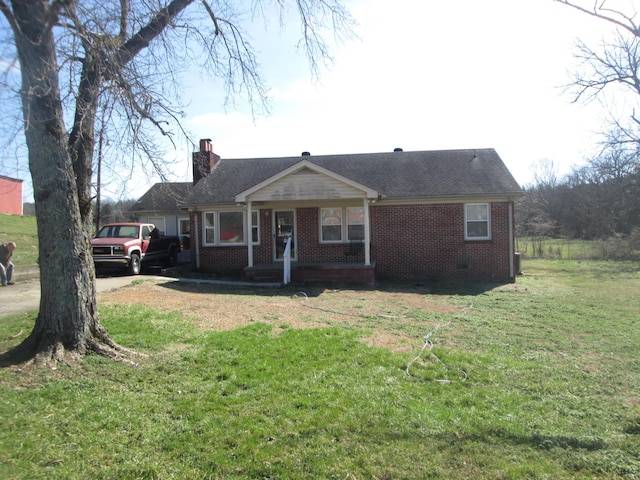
(24, 296)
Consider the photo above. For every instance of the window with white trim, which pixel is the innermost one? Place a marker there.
(225, 228)
(341, 224)
(209, 226)
(255, 227)
(477, 221)
(231, 227)
(331, 224)
(355, 223)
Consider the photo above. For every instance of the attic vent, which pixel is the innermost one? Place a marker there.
(398, 149)
(306, 154)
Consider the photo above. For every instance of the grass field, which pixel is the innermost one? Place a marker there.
(24, 232)
(550, 390)
(613, 248)
(556, 248)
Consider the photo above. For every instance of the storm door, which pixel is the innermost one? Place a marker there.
(284, 227)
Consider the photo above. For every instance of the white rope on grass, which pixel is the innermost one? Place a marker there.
(428, 344)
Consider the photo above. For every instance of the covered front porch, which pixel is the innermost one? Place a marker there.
(323, 216)
(343, 272)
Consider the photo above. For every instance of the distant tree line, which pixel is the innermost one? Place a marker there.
(115, 211)
(597, 201)
(110, 210)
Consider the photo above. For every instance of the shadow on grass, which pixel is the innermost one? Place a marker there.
(633, 428)
(317, 289)
(548, 442)
(536, 441)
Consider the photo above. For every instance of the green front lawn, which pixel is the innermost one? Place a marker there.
(552, 391)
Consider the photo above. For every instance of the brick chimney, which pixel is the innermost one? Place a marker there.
(204, 160)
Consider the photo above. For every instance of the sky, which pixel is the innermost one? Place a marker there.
(425, 75)
(422, 75)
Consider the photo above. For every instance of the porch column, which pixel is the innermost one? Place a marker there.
(249, 236)
(367, 233)
(195, 241)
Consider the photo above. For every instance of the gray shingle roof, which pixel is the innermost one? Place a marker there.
(395, 175)
(163, 197)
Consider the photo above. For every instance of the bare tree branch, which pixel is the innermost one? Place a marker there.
(614, 16)
(613, 68)
(120, 60)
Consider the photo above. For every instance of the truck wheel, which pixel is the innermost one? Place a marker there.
(134, 264)
(172, 260)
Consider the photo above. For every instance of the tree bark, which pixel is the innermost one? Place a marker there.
(68, 318)
(60, 161)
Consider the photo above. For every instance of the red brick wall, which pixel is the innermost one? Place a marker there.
(310, 250)
(231, 260)
(408, 242)
(427, 242)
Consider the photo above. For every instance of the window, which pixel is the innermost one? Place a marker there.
(184, 230)
(160, 223)
(331, 224)
(355, 223)
(224, 228)
(209, 228)
(231, 227)
(341, 224)
(477, 221)
(255, 227)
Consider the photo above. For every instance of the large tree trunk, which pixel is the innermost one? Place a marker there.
(68, 318)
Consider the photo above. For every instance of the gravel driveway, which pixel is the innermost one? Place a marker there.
(24, 296)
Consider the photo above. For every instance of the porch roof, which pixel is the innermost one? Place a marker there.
(394, 175)
(306, 181)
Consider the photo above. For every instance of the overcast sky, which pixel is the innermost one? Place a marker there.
(423, 75)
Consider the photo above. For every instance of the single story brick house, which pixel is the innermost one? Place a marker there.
(403, 216)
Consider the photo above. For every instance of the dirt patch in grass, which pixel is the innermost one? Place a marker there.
(215, 307)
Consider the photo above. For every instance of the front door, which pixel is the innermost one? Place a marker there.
(283, 228)
(184, 231)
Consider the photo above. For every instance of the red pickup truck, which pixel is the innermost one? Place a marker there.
(129, 245)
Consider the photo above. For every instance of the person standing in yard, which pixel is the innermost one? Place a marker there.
(6, 266)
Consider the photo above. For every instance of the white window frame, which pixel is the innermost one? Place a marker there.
(467, 220)
(347, 224)
(213, 227)
(342, 228)
(255, 215)
(344, 225)
(215, 215)
(242, 223)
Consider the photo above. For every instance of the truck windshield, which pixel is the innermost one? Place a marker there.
(119, 231)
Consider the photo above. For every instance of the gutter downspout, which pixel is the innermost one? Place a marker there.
(511, 246)
(367, 233)
(250, 235)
